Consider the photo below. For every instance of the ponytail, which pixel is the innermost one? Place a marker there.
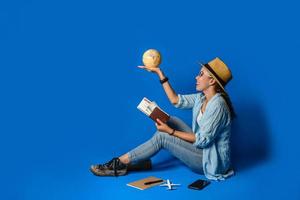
(228, 102)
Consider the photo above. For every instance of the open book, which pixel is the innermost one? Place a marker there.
(152, 110)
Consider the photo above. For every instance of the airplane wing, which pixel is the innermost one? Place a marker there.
(164, 184)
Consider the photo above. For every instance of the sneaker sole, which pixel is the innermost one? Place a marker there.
(108, 172)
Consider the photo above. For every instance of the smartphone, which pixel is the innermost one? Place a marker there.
(199, 184)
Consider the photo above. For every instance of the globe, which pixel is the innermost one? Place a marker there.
(151, 58)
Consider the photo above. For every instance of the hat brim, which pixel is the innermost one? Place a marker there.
(222, 87)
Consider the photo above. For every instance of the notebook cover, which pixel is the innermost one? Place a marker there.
(139, 184)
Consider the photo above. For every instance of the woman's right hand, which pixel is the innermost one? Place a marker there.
(152, 69)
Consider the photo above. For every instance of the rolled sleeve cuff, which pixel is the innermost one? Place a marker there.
(179, 103)
(196, 140)
(200, 142)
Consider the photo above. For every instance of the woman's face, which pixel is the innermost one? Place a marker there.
(202, 79)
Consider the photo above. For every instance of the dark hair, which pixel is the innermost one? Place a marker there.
(227, 100)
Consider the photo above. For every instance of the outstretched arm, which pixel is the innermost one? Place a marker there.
(171, 94)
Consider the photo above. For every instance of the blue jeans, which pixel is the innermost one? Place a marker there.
(181, 149)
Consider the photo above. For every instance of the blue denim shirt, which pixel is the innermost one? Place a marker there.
(212, 133)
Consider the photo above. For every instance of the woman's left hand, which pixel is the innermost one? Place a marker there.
(163, 127)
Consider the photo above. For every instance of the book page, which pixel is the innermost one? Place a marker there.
(152, 105)
(146, 106)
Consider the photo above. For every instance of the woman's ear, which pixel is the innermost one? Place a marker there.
(212, 81)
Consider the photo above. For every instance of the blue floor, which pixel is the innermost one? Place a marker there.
(72, 180)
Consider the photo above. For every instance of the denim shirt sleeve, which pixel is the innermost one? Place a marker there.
(210, 125)
(186, 101)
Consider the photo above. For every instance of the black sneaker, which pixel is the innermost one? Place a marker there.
(112, 168)
(140, 166)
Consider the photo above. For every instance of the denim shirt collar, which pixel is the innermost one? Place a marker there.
(211, 100)
(198, 107)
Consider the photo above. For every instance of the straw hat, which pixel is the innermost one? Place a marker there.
(219, 71)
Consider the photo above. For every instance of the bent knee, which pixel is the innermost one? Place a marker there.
(160, 135)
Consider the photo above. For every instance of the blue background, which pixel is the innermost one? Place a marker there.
(69, 90)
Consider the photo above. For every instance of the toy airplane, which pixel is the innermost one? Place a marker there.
(170, 185)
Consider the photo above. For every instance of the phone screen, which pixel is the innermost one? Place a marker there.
(199, 184)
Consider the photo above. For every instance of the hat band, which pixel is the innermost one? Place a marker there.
(214, 73)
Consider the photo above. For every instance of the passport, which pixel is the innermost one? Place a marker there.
(152, 110)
